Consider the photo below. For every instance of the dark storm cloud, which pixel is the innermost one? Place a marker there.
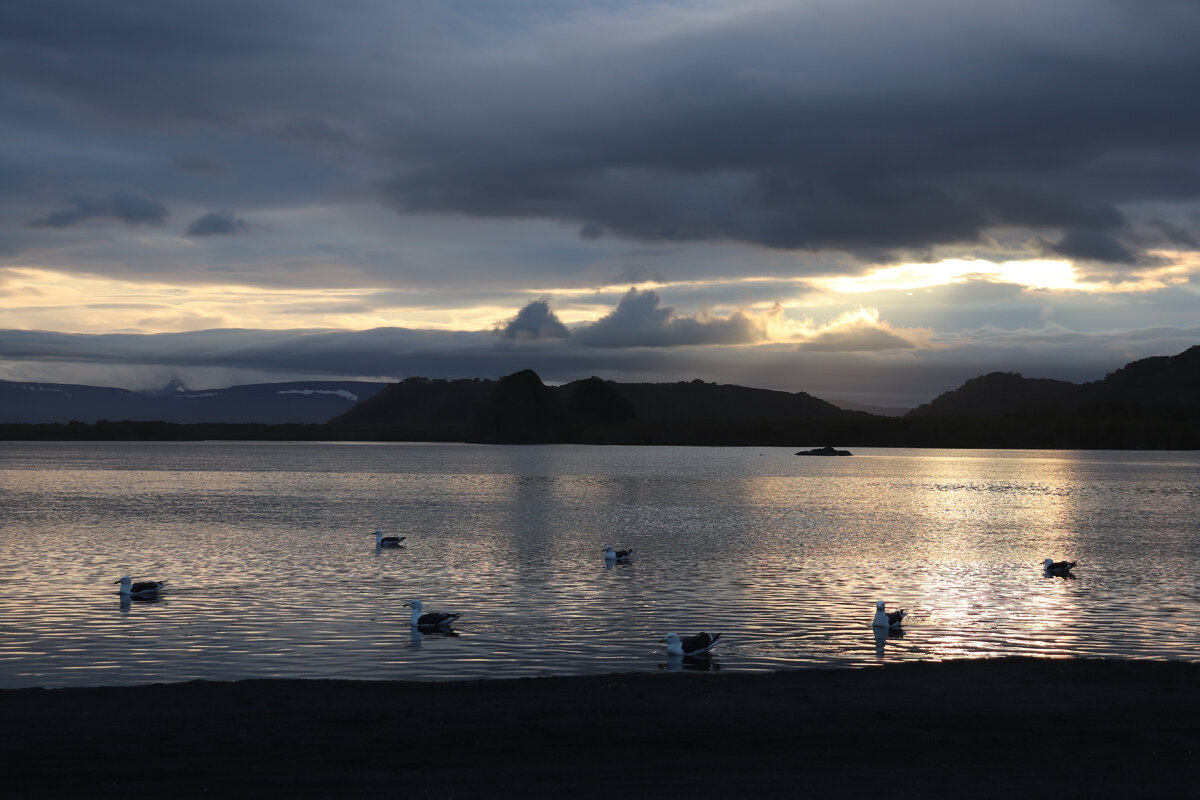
(1092, 245)
(823, 128)
(640, 321)
(217, 224)
(129, 207)
(875, 128)
(534, 321)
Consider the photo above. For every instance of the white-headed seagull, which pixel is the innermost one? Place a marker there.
(387, 541)
(619, 556)
(430, 621)
(690, 646)
(142, 589)
(885, 619)
(1052, 567)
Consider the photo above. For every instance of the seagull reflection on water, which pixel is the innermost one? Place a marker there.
(417, 635)
(676, 663)
(882, 634)
(127, 601)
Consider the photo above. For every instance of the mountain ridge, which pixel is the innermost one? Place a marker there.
(1151, 403)
(1154, 382)
(261, 403)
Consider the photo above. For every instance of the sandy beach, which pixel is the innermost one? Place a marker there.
(991, 728)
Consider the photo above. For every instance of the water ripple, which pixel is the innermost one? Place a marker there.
(272, 572)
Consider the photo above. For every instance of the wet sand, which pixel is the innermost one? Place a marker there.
(991, 728)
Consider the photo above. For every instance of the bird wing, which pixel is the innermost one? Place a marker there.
(701, 641)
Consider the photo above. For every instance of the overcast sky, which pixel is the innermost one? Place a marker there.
(862, 199)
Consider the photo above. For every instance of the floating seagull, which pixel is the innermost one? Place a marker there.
(387, 541)
(620, 556)
(689, 646)
(141, 589)
(434, 619)
(1052, 567)
(884, 619)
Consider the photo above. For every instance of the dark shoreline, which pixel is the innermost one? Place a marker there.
(981, 728)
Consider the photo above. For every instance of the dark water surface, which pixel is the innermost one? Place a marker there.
(272, 571)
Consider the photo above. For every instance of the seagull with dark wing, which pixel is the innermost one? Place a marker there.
(431, 621)
(617, 556)
(142, 590)
(387, 541)
(886, 619)
(1059, 568)
(689, 646)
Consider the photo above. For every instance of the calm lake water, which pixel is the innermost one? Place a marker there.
(273, 572)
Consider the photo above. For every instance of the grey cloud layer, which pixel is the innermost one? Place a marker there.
(129, 207)
(856, 126)
(870, 127)
(639, 320)
(217, 224)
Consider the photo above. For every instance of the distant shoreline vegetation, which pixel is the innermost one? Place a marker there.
(1109, 430)
(1151, 404)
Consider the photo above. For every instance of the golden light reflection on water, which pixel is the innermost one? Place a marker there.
(272, 571)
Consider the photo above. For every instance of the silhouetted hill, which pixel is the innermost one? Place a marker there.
(419, 409)
(697, 400)
(520, 408)
(1001, 393)
(1156, 383)
(1160, 381)
(1152, 403)
(593, 401)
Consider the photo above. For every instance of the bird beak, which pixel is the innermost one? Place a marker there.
(408, 605)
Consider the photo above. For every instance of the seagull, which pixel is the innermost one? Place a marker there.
(141, 589)
(387, 541)
(1052, 567)
(884, 619)
(689, 646)
(620, 556)
(434, 619)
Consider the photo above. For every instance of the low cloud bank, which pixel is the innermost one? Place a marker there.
(854, 356)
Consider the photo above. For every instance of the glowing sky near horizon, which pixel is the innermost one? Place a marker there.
(823, 197)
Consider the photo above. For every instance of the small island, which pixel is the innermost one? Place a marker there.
(824, 451)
